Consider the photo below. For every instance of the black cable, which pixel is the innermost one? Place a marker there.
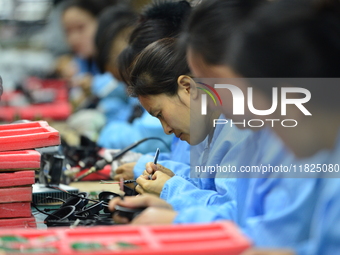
(75, 195)
(41, 211)
(100, 164)
(55, 198)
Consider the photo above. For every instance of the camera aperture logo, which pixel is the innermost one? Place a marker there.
(238, 99)
(204, 96)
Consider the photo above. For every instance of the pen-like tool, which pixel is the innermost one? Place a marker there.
(155, 161)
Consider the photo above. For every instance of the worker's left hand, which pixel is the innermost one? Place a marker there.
(155, 216)
(124, 171)
(157, 210)
(268, 252)
(153, 186)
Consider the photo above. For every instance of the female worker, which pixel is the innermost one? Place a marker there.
(158, 20)
(115, 25)
(90, 88)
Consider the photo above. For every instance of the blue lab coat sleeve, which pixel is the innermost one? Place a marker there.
(114, 102)
(118, 135)
(193, 195)
(106, 85)
(114, 109)
(324, 236)
(206, 214)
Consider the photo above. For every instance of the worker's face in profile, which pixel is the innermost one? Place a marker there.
(119, 43)
(173, 115)
(80, 27)
(177, 113)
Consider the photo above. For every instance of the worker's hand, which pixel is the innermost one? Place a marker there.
(85, 83)
(268, 252)
(66, 67)
(148, 201)
(151, 168)
(153, 186)
(125, 171)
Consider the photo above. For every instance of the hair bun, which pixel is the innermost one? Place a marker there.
(173, 12)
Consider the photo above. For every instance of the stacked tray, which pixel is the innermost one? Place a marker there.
(18, 161)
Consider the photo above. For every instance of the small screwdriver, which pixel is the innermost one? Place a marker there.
(125, 182)
(154, 161)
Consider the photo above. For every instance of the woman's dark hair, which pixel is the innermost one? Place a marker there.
(210, 26)
(156, 70)
(94, 7)
(111, 23)
(289, 39)
(161, 19)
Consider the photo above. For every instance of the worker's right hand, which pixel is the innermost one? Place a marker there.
(151, 168)
(154, 186)
(125, 171)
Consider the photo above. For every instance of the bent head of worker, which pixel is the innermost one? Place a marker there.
(115, 25)
(161, 19)
(165, 89)
(79, 20)
(204, 41)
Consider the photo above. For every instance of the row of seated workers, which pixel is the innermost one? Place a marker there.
(137, 73)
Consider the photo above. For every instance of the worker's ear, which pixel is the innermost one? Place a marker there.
(187, 85)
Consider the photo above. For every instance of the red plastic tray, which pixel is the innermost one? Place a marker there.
(217, 238)
(54, 111)
(27, 136)
(15, 210)
(19, 160)
(17, 194)
(59, 109)
(59, 85)
(18, 223)
(103, 174)
(20, 178)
